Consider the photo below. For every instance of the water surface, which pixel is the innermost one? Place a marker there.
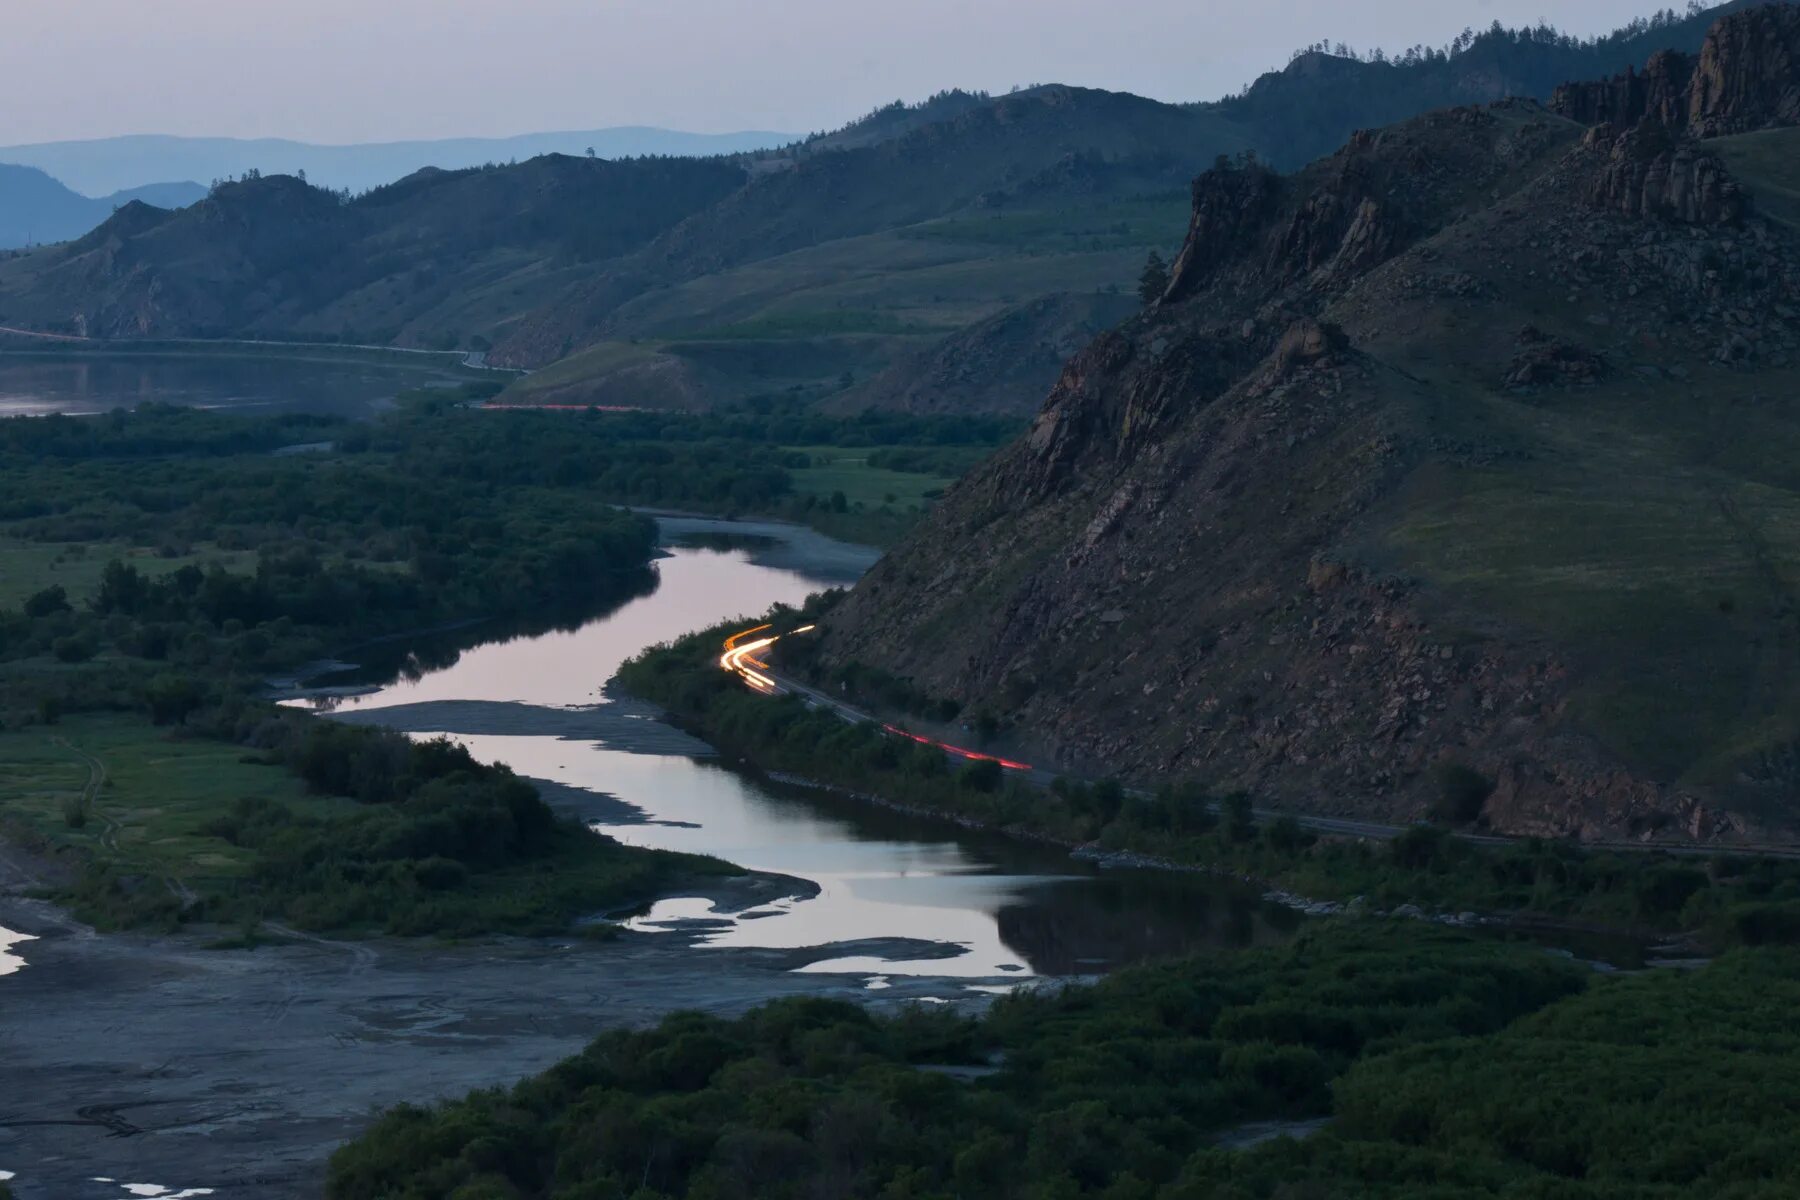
(952, 903)
(38, 384)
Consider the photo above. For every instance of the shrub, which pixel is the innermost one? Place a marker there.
(981, 775)
(1462, 791)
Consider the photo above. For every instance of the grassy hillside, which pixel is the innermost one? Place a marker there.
(867, 306)
(437, 259)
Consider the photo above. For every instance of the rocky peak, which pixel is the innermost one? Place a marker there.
(1746, 77)
(1749, 73)
(1659, 93)
(1231, 204)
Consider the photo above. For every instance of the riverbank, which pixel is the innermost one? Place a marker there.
(153, 1060)
(1723, 900)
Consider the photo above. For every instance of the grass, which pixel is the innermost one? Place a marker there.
(785, 321)
(848, 471)
(146, 798)
(1768, 165)
(27, 568)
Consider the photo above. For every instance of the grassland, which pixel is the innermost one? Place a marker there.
(836, 470)
(112, 787)
(28, 567)
(1768, 164)
(857, 305)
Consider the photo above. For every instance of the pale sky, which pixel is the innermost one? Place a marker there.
(378, 70)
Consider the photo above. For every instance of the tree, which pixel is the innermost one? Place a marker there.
(1155, 279)
(590, 152)
(53, 599)
(1240, 819)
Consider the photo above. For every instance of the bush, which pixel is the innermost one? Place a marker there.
(47, 602)
(1462, 791)
(76, 648)
(981, 775)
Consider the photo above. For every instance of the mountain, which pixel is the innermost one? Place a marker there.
(875, 253)
(35, 209)
(1321, 98)
(438, 251)
(110, 164)
(755, 274)
(1471, 445)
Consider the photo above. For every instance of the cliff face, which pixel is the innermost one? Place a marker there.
(1749, 73)
(1463, 445)
(1743, 79)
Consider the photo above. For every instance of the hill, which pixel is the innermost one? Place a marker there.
(35, 209)
(412, 263)
(1467, 447)
(112, 164)
(1327, 93)
(878, 252)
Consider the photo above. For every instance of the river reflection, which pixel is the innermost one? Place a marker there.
(10, 962)
(966, 905)
(34, 384)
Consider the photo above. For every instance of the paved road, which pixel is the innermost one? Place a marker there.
(742, 658)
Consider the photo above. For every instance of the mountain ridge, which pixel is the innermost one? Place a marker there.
(36, 208)
(1462, 447)
(118, 163)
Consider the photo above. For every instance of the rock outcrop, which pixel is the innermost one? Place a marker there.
(1746, 77)
(1649, 172)
(1324, 519)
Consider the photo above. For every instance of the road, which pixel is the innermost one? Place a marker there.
(475, 360)
(745, 656)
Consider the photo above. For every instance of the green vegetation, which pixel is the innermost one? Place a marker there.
(1766, 163)
(1744, 899)
(137, 749)
(248, 814)
(1447, 1066)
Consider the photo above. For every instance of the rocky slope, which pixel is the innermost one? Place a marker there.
(1469, 445)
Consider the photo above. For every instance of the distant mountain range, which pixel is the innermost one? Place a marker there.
(34, 208)
(938, 254)
(111, 164)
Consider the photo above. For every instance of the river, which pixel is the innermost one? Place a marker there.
(983, 909)
(140, 1064)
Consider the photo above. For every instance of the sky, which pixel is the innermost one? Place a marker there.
(378, 70)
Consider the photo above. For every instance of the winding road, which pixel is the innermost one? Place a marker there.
(741, 658)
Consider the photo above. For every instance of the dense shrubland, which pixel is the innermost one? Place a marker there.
(1449, 1066)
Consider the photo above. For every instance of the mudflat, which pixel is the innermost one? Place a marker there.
(155, 1061)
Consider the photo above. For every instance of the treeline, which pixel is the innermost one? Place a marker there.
(1440, 1065)
(1730, 898)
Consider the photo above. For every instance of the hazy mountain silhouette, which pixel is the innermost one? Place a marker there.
(35, 208)
(108, 164)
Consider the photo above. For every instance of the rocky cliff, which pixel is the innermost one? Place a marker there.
(1743, 79)
(1466, 445)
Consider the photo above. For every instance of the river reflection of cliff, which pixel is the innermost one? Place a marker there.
(1128, 916)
